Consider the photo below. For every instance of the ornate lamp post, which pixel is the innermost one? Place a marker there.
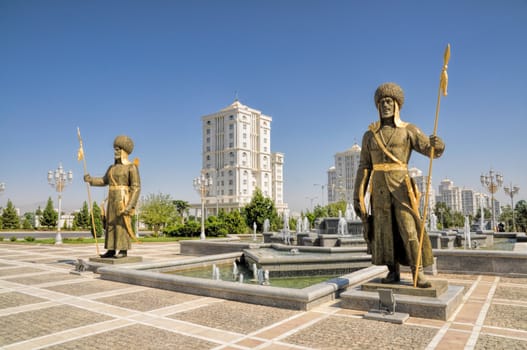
(492, 181)
(201, 185)
(58, 179)
(511, 192)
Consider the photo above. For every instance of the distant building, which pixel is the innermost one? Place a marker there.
(420, 182)
(465, 201)
(450, 195)
(237, 158)
(468, 202)
(341, 180)
(332, 180)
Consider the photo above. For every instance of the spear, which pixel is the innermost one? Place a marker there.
(80, 156)
(443, 85)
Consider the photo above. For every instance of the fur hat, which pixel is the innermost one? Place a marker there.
(389, 90)
(125, 143)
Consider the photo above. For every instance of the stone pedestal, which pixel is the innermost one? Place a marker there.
(113, 261)
(301, 237)
(328, 240)
(437, 302)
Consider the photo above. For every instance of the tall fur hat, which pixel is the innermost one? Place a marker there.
(389, 90)
(125, 143)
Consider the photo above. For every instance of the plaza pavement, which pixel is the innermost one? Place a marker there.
(44, 306)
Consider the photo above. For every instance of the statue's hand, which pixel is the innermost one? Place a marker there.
(356, 207)
(436, 142)
(128, 212)
(87, 178)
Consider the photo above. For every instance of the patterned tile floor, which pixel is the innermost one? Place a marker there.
(44, 306)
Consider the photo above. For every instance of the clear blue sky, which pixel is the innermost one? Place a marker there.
(151, 69)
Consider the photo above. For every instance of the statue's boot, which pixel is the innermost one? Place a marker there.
(109, 254)
(122, 254)
(393, 275)
(422, 281)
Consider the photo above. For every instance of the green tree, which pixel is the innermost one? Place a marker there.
(311, 217)
(158, 211)
(98, 220)
(82, 219)
(458, 219)
(259, 209)
(29, 221)
(233, 221)
(335, 208)
(320, 212)
(215, 227)
(521, 216)
(506, 217)
(49, 215)
(444, 215)
(181, 207)
(10, 219)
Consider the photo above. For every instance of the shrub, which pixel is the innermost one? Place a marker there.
(29, 239)
(13, 239)
(189, 229)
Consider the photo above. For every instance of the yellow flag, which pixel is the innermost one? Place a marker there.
(80, 154)
(443, 80)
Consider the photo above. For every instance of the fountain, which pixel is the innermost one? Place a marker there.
(299, 225)
(266, 226)
(466, 232)
(235, 271)
(306, 225)
(350, 264)
(262, 293)
(330, 232)
(433, 222)
(343, 225)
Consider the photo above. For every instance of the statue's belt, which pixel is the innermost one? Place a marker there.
(118, 188)
(389, 167)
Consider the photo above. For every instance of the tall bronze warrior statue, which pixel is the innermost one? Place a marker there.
(124, 184)
(392, 222)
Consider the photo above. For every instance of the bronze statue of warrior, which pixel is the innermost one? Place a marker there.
(392, 221)
(124, 184)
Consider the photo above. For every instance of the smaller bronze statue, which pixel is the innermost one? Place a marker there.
(393, 222)
(124, 184)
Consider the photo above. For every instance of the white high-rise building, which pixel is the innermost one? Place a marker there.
(332, 181)
(420, 182)
(341, 179)
(450, 195)
(469, 204)
(237, 157)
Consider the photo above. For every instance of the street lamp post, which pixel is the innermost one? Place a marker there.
(2, 188)
(58, 179)
(201, 184)
(511, 192)
(492, 181)
(311, 199)
(322, 187)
